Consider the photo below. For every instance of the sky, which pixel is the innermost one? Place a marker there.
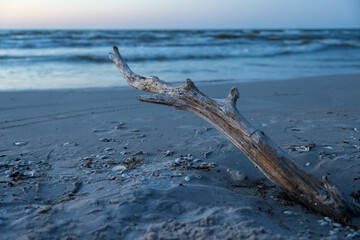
(178, 14)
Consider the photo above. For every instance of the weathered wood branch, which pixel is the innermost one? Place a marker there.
(278, 166)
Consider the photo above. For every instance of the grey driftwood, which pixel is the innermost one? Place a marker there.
(278, 166)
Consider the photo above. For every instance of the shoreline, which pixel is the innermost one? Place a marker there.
(199, 83)
(96, 163)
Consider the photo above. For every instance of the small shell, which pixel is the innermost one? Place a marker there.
(124, 175)
(337, 225)
(322, 222)
(187, 179)
(301, 148)
(108, 149)
(177, 161)
(288, 212)
(351, 235)
(20, 143)
(29, 173)
(308, 164)
(119, 169)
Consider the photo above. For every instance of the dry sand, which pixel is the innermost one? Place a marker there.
(59, 183)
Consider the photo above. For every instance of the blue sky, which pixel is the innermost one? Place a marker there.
(179, 14)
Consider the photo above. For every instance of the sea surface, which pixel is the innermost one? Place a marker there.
(48, 59)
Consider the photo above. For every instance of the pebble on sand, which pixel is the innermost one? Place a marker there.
(43, 209)
(323, 223)
(108, 149)
(351, 235)
(119, 169)
(124, 175)
(337, 225)
(236, 178)
(120, 125)
(29, 173)
(105, 139)
(288, 212)
(20, 143)
(168, 153)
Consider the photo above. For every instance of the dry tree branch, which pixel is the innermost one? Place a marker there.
(322, 197)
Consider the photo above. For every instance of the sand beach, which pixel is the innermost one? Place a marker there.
(97, 164)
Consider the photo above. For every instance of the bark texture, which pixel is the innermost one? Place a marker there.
(278, 166)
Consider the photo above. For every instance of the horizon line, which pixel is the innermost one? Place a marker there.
(182, 29)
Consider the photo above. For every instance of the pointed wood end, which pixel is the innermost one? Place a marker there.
(189, 84)
(117, 58)
(233, 95)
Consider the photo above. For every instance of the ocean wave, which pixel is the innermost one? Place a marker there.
(161, 45)
(173, 56)
(234, 43)
(57, 58)
(226, 36)
(45, 39)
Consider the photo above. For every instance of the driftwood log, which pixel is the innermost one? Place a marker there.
(277, 165)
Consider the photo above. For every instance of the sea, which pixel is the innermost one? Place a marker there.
(56, 59)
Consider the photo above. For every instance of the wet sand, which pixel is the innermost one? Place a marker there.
(95, 163)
